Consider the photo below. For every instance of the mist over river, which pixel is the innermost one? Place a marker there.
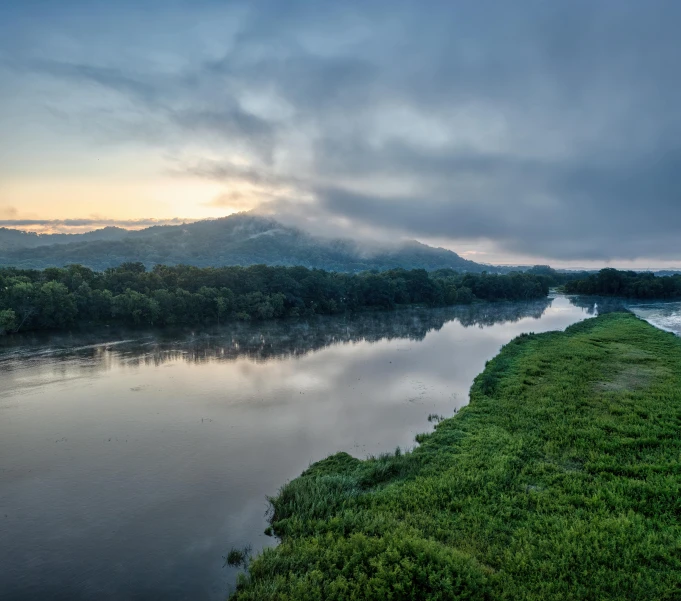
(131, 461)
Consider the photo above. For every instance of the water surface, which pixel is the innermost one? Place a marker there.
(130, 462)
(665, 315)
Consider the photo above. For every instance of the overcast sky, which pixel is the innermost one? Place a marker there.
(524, 131)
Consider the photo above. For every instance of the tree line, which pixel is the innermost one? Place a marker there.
(630, 284)
(57, 298)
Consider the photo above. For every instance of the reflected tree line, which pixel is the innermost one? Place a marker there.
(266, 340)
(598, 305)
(59, 298)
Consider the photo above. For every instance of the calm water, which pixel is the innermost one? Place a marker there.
(665, 315)
(131, 462)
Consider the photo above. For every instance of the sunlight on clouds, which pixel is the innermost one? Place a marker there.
(559, 143)
(64, 198)
(187, 196)
(237, 200)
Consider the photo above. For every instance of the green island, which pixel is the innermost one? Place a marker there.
(560, 480)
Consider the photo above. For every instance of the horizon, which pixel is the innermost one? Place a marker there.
(76, 226)
(531, 134)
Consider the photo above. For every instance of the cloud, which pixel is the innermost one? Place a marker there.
(8, 211)
(236, 201)
(567, 210)
(106, 77)
(229, 172)
(551, 129)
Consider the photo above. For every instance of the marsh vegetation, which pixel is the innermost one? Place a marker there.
(560, 480)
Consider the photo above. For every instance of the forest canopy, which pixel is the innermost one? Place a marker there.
(630, 284)
(57, 298)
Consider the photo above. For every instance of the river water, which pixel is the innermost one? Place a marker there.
(665, 315)
(132, 461)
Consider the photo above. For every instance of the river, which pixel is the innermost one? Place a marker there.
(132, 461)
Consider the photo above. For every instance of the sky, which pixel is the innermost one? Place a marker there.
(511, 132)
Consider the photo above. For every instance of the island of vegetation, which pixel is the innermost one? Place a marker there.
(628, 284)
(58, 298)
(560, 480)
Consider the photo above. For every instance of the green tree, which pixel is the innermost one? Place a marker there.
(464, 296)
(56, 307)
(224, 304)
(22, 298)
(136, 308)
(8, 321)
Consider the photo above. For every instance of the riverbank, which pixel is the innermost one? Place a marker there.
(560, 480)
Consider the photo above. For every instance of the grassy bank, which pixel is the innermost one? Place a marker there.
(560, 480)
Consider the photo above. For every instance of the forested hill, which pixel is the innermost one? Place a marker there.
(240, 239)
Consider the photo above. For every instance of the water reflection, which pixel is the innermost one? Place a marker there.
(595, 305)
(260, 341)
(131, 461)
(665, 315)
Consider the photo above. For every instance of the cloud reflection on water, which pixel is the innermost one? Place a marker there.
(133, 461)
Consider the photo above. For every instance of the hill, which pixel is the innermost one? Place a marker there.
(11, 239)
(241, 239)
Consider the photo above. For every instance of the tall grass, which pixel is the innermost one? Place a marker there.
(561, 480)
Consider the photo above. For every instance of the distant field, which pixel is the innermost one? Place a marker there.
(561, 480)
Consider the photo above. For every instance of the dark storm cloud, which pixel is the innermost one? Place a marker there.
(551, 128)
(564, 209)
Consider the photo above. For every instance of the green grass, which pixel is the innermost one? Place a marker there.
(561, 480)
(238, 557)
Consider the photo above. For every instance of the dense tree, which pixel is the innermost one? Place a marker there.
(8, 321)
(59, 297)
(56, 307)
(630, 284)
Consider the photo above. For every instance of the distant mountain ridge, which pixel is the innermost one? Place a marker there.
(239, 239)
(11, 239)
